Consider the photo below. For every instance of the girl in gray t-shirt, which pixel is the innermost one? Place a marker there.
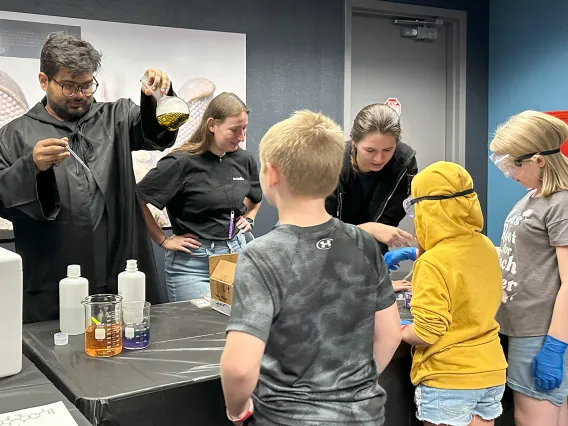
(534, 261)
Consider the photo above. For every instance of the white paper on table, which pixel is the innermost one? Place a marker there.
(55, 414)
(204, 302)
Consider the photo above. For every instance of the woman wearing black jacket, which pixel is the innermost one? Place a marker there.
(377, 171)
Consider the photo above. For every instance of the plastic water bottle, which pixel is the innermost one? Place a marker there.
(72, 290)
(132, 283)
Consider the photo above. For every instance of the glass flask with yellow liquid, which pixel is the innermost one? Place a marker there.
(103, 325)
(171, 111)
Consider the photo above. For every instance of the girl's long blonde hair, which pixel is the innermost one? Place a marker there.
(221, 106)
(533, 131)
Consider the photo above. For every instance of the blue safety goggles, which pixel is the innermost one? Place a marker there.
(410, 202)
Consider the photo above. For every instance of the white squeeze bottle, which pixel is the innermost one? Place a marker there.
(72, 290)
(11, 303)
(132, 283)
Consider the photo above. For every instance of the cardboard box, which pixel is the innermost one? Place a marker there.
(221, 277)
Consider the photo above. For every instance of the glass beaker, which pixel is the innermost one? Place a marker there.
(103, 328)
(171, 111)
(135, 325)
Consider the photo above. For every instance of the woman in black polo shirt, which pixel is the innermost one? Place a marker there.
(211, 191)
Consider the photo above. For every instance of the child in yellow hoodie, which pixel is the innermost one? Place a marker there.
(458, 366)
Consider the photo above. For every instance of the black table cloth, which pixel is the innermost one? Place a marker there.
(175, 381)
(30, 388)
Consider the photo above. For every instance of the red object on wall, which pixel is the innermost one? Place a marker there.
(563, 115)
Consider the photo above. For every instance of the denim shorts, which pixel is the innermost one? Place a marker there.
(522, 351)
(187, 275)
(456, 407)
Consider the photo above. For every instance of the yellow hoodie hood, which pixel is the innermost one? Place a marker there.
(449, 218)
(456, 286)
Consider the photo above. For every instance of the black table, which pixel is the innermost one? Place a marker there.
(400, 409)
(175, 381)
(30, 388)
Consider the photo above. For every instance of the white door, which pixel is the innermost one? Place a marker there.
(385, 65)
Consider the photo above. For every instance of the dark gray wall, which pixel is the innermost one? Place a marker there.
(8, 245)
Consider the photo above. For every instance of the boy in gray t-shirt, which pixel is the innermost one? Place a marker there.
(314, 316)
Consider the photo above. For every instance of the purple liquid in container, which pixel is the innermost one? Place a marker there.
(137, 337)
(407, 299)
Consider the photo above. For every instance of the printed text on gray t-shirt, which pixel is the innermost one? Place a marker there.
(531, 279)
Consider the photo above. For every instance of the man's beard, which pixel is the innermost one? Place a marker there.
(67, 114)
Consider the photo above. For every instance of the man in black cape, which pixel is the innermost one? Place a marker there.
(66, 212)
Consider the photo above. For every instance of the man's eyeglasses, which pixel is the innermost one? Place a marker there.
(71, 89)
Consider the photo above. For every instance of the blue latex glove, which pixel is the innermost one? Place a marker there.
(405, 322)
(394, 257)
(547, 365)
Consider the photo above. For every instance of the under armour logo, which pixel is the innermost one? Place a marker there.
(324, 244)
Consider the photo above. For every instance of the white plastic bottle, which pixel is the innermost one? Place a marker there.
(11, 294)
(72, 290)
(132, 283)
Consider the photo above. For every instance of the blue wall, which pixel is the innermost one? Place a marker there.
(528, 64)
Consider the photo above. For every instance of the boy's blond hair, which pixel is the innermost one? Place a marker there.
(308, 149)
(533, 131)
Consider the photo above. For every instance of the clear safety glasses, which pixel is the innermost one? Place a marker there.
(505, 163)
(510, 165)
(410, 202)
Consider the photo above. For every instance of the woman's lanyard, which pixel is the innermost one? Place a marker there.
(232, 205)
(231, 224)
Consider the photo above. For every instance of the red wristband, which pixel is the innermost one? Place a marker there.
(246, 415)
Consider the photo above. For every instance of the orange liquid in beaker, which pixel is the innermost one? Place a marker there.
(99, 343)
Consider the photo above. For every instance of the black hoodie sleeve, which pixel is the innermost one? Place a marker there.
(145, 131)
(394, 211)
(23, 190)
(332, 201)
(331, 204)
